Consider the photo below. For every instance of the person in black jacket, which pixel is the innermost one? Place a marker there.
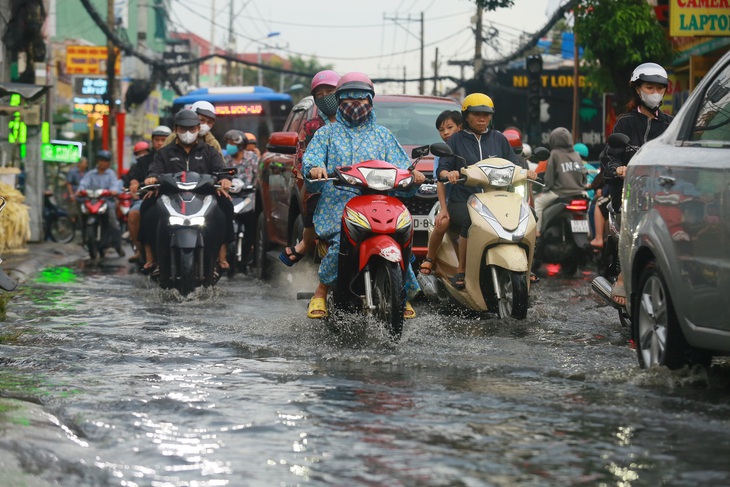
(642, 122)
(187, 153)
(474, 143)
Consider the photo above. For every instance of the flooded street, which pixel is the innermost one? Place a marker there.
(107, 380)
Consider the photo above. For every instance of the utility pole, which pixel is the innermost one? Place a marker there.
(478, 61)
(211, 65)
(421, 84)
(111, 61)
(404, 79)
(435, 73)
(462, 65)
(575, 86)
(231, 46)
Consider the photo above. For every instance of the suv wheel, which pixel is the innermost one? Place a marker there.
(656, 331)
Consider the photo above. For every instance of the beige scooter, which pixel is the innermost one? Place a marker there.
(501, 241)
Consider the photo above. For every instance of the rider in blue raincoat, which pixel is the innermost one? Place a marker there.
(354, 138)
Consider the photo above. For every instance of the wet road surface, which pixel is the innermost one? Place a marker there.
(106, 380)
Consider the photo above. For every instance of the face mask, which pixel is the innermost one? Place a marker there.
(231, 149)
(327, 104)
(355, 113)
(187, 138)
(652, 100)
(204, 129)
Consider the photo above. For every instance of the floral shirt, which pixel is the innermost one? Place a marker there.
(248, 166)
(305, 137)
(337, 144)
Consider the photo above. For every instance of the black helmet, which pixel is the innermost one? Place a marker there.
(186, 118)
(104, 154)
(236, 137)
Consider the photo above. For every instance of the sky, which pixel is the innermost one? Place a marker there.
(372, 36)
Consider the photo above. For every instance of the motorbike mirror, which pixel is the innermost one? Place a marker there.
(441, 149)
(618, 141)
(419, 152)
(539, 154)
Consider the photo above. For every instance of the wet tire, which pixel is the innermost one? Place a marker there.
(389, 296)
(186, 271)
(62, 230)
(91, 242)
(513, 294)
(656, 331)
(261, 247)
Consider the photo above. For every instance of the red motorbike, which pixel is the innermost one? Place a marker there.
(125, 200)
(94, 211)
(375, 243)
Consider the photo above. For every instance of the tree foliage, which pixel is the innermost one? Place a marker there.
(618, 35)
(491, 5)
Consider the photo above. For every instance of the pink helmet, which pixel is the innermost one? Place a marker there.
(326, 77)
(355, 81)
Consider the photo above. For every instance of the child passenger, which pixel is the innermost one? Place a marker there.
(448, 123)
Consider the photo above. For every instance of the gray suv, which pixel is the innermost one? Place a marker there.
(675, 234)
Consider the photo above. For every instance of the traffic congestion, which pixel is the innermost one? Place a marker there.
(345, 283)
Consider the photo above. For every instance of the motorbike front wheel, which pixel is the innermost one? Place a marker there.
(389, 296)
(186, 277)
(91, 241)
(62, 230)
(513, 294)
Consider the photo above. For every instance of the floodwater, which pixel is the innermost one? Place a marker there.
(107, 380)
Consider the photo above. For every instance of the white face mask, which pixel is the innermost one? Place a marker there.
(204, 129)
(187, 138)
(652, 100)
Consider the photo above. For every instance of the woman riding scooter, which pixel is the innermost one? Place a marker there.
(642, 122)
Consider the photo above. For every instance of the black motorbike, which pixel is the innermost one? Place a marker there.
(240, 251)
(564, 234)
(57, 223)
(186, 257)
(6, 283)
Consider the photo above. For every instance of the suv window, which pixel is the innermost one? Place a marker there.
(713, 117)
(411, 123)
(295, 121)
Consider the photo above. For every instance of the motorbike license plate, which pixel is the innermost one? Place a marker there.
(420, 222)
(579, 226)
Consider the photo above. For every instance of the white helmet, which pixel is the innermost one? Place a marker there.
(204, 108)
(161, 130)
(650, 73)
(526, 151)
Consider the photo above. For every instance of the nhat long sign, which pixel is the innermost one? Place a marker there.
(699, 18)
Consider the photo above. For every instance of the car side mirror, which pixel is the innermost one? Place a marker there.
(283, 142)
(441, 149)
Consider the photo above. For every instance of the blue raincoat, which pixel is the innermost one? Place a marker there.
(341, 144)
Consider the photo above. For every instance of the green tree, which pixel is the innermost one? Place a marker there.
(618, 35)
(494, 4)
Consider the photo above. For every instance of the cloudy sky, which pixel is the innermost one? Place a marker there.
(374, 36)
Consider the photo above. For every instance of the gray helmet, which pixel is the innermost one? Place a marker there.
(104, 154)
(163, 130)
(186, 118)
(236, 137)
(204, 108)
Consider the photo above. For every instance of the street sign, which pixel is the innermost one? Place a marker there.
(64, 151)
(89, 60)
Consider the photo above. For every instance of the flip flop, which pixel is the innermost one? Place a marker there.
(618, 291)
(458, 281)
(426, 267)
(409, 312)
(317, 308)
(286, 257)
(149, 267)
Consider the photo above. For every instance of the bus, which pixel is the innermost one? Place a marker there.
(255, 109)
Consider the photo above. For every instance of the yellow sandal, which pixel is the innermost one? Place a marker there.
(317, 308)
(409, 312)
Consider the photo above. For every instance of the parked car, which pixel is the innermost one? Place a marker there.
(675, 234)
(280, 195)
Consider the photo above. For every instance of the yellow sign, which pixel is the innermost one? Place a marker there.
(89, 60)
(699, 18)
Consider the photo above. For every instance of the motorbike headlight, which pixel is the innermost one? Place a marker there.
(195, 221)
(406, 182)
(351, 179)
(499, 177)
(379, 179)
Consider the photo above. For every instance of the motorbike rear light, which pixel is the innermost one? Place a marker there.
(577, 205)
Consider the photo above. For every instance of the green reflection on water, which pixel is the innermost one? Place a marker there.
(56, 275)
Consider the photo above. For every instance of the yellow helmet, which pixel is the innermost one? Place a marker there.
(477, 102)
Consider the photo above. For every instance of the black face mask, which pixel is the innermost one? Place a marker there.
(327, 104)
